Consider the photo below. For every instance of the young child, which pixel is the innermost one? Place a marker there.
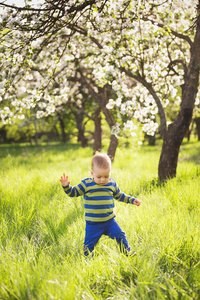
(99, 193)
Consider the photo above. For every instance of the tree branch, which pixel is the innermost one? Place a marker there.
(92, 91)
(53, 7)
(25, 8)
(175, 33)
(178, 61)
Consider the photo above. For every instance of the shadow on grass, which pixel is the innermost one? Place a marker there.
(190, 152)
(149, 186)
(24, 150)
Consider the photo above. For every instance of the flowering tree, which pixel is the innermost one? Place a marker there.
(139, 54)
(159, 47)
(53, 68)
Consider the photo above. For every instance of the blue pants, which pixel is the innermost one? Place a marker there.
(93, 232)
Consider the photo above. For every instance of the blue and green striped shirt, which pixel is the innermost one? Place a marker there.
(98, 199)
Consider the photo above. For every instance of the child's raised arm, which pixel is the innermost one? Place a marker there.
(64, 180)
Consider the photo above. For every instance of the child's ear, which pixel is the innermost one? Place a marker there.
(91, 173)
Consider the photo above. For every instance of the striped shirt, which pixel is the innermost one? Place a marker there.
(98, 199)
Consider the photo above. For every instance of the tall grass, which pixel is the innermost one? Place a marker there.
(42, 231)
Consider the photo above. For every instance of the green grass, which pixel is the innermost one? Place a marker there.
(42, 231)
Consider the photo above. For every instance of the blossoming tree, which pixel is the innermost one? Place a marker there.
(163, 56)
(142, 55)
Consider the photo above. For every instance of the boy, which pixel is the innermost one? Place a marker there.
(98, 193)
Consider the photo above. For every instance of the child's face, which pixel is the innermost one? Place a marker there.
(100, 176)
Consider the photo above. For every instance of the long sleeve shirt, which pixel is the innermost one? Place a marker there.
(98, 199)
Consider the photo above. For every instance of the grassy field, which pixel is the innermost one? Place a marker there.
(42, 231)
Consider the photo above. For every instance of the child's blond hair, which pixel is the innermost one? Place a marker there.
(101, 161)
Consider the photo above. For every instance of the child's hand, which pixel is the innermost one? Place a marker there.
(137, 202)
(64, 180)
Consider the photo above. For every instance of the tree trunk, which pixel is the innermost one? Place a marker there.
(102, 99)
(36, 131)
(112, 147)
(197, 121)
(173, 137)
(151, 139)
(79, 116)
(113, 138)
(82, 138)
(171, 145)
(62, 126)
(97, 132)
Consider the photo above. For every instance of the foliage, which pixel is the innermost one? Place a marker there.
(33, 130)
(55, 52)
(42, 231)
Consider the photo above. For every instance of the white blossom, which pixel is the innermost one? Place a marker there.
(110, 104)
(115, 129)
(150, 128)
(21, 117)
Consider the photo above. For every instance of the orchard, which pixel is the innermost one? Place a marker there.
(128, 60)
